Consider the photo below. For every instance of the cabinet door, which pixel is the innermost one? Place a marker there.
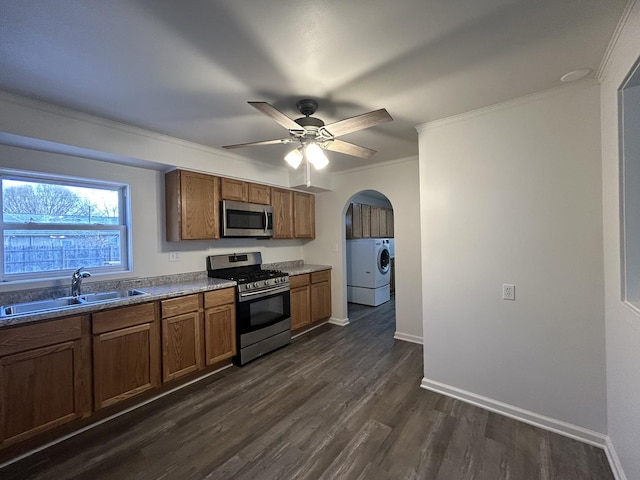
(219, 333)
(181, 346)
(320, 301)
(282, 202)
(259, 194)
(231, 189)
(354, 221)
(320, 295)
(366, 221)
(375, 222)
(300, 307)
(191, 206)
(382, 215)
(304, 215)
(41, 389)
(390, 223)
(126, 362)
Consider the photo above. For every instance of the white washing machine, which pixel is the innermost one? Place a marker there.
(368, 271)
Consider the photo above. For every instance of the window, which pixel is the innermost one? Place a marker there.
(52, 226)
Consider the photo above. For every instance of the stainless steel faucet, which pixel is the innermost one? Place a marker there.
(76, 281)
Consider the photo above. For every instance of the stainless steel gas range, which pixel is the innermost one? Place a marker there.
(263, 305)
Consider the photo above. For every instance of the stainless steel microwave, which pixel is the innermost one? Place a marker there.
(241, 219)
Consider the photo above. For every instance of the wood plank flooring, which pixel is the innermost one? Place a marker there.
(339, 403)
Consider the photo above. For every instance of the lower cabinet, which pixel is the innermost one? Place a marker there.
(310, 299)
(320, 295)
(126, 353)
(300, 301)
(44, 377)
(181, 336)
(219, 325)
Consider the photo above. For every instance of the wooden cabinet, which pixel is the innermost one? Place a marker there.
(192, 208)
(320, 295)
(392, 276)
(300, 301)
(282, 202)
(259, 194)
(374, 224)
(304, 215)
(181, 336)
(126, 353)
(310, 299)
(367, 221)
(45, 378)
(219, 325)
(231, 189)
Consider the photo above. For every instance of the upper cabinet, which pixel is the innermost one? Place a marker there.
(231, 189)
(192, 206)
(304, 215)
(282, 202)
(367, 221)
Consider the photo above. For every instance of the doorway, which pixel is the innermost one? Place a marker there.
(370, 257)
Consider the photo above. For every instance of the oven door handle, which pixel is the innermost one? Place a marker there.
(279, 289)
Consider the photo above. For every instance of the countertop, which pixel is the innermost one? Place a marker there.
(157, 292)
(158, 288)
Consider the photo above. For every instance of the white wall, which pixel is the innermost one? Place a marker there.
(26, 122)
(398, 181)
(512, 194)
(622, 323)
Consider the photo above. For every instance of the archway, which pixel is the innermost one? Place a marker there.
(369, 257)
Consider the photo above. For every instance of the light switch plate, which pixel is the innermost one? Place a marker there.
(174, 256)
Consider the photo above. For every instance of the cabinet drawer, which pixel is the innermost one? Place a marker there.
(27, 337)
(299, 280)
(323, 276)
(215, 298)
(124, 317)
(180, 305)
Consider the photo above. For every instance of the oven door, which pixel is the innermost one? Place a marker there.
(258, 310)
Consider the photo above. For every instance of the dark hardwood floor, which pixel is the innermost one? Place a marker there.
(339, 403)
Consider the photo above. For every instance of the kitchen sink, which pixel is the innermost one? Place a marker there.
(108, 296)
(66, 302)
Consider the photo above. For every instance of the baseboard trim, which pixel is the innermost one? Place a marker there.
(341, 322)
(614, 461)
(551, 424)
(405, 337)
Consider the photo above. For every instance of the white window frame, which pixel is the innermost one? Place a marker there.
(123, 226)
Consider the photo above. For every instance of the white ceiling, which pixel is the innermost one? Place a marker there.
(187, 68)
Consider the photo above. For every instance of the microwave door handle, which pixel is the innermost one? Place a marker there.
(266, 221)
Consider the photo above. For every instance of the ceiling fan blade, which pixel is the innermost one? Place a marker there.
(264, 142)
(350, 149)
(275, 114)
(359, 122)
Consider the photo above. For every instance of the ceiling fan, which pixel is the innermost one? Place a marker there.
(313, 135)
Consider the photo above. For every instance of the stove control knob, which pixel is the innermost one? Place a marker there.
(255, 285)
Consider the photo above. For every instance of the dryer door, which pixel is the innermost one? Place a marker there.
(384, 259)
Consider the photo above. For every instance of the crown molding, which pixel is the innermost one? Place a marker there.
(533, 97)
(410, 159)
(601, 73)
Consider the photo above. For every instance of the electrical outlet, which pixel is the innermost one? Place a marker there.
(174, 256)
(508, 292)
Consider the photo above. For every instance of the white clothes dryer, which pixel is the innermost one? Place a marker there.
(368, 271)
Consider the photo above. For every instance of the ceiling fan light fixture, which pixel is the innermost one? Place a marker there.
(294, 157)
(316, 156)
